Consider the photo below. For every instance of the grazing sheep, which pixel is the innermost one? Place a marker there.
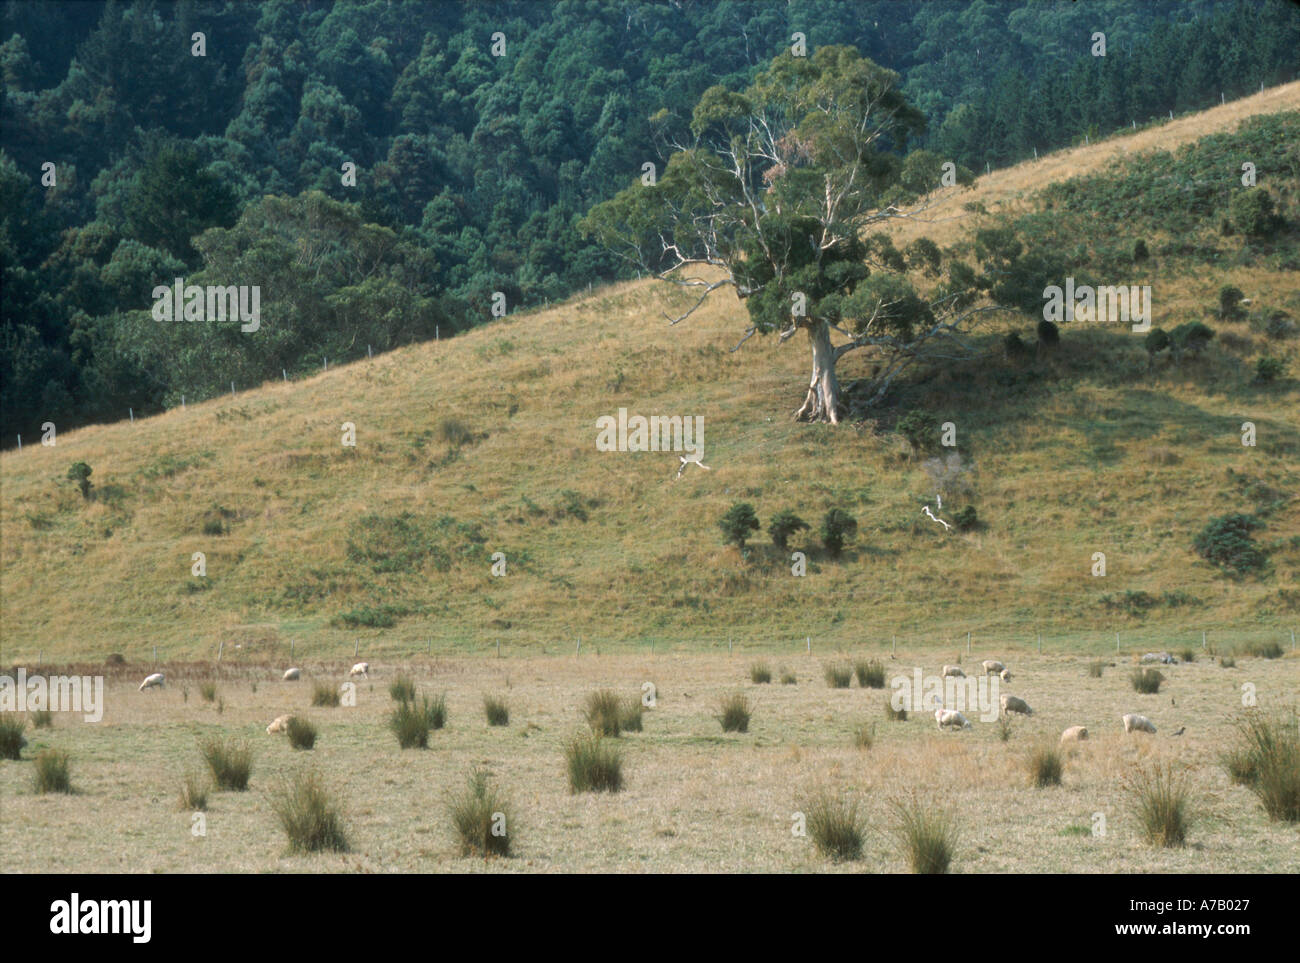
(292, 675)
(1075, 734)
(1005, 675)
(156, 679)
(953, 671)
(1012, 703)
(993, 667)
(1163, 658)
(950, 718)
(1136, 723)
(281, 724)
(361, 669)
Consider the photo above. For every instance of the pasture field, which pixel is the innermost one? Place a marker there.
(695, 799)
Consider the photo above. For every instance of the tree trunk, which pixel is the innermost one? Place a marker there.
(822, 402)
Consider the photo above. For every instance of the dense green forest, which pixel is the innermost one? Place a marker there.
(480, 134)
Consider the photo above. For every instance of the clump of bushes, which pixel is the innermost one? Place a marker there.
(738, 524)
(1269, 369)
(631, 718)
(80, 473)
(839, 675)
(928, 836)
(411, 721)
(1045, 766)
(760, 673)
(1267, 762)
(920, 429)
(966, 519)
(838, 526)
(783, 525)
(402, 689)
(309, 816)
(301, 733)
(324, 694)
(594, 764)
(52, 771)
(1264, 650)
(496, 710)
(734, 712)
(481, 816)
(1095, 668)
(871, 674)
(194, 793)
(604, 712)
(1162, 803)
(229, 760)
(836, 826)
(11, 737)
(1146, 681)
(1227, 543)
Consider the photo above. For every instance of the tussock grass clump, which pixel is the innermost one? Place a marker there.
(1264, 650)
(301, 733)
(194, 793)
(324, 694)
(1005, 727)
(1187, 655)
(11, 736)
(734, 712)
(41, 719)
(1241, 766)
(630, 718)
(604, 712)
(52, 774)
(928, 836)
(839, 675)
(229, 760)
(871, 674)
(864, 736)
(208, 690)
(309, 815)
(892, 714)
(1095, 668)
(496, 710)
(760, 673)
(1146, 681)
(788, 677)
(1228, 662)
(1162, 803)
(1270, 748)
(594, 764)
(402, 689)
(481, 816)
(411, 721)
(1045, 766)
(836, 827)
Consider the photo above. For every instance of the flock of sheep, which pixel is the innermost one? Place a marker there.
(952, 719)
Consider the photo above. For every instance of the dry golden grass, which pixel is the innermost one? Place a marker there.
(694, 799)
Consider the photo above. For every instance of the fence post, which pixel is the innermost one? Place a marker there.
(356, 649)
(291, 650)
(220, 647)
(1116, 643)
(20, 442)
(1040, 643)
(578, 651)
(894, 649)
(809, 641)
(131, 412)
(968, 643)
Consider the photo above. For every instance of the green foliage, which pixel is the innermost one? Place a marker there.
(11, 736)
(1226, 542)
(927, 834)
(1191, 337)
(760, 673)
(52, 772)
(870, 673)
(402, 688)
(838, 526)
(739, 522)
(324, 694)
(1140, 252)
(921, 429)
(1161, 800)
(1146, 681)
(1046, 763)
(966, 519)
(80, 472)
(1230, 299)
(594, 764)
(1268, 370)
(229, 760)
(301, 733)
(604, 712)
(734, 712)
(1267, 761)
(481, 816)
(496, 710)
(839, 675)
(1252, 212)
(784, 524)
(836, 826)
(309, 815)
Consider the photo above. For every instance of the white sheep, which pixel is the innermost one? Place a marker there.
(281, 724)
(1136, 723)
(1005, 675)
(292, 675)
(993, 667)
(1012, 703)
(951, 719)
(1163, 658)
(361, 669)
(1075, 734)
(156, 679)
(954, 671)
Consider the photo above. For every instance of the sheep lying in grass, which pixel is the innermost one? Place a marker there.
(360, 669)
(954, 671)
(292, 675)
(1136, 723)
(1075, 734)
(156, 679)
(993, 667)
(1163, 658)
(281, 724)
(1012, 703)
(950, 719)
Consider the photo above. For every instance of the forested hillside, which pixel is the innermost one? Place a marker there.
(480, 134)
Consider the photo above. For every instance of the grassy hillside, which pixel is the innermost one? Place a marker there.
(487, 443)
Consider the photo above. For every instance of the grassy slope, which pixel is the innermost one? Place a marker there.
(1062, 473)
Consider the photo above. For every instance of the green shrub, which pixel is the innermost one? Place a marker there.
(1268, 370)
(301, 733)
(80, 473)
(783, 525)
(604, 712)
(1140, 252)
(1162, 803)
(1271, 747)
(839, 675)
(208, 690)
(838, 526)
(1264, 650)
(1230, 299)
(594, 764)
(1045, 766)
(1146, 681)
(11, 736)
(309, 816)
(739, 522)
(230, 761)
(1228, 662)
(1241, 765)
(630, 719)
(496, 710)
(1005, 727)
(455, 432)
(760, 673)
(1049, 335)
(920, 429)
(1226, 542)
(928, 836)
(194, 793)
(481, 816)
(411, 721)
(871, 674)
(1187, 655)
(51, 773)
(966, 519)
(734, 713)
(836, 826)
(1252, 212)
(324, 694)
(402, 689)
(1191, 338)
